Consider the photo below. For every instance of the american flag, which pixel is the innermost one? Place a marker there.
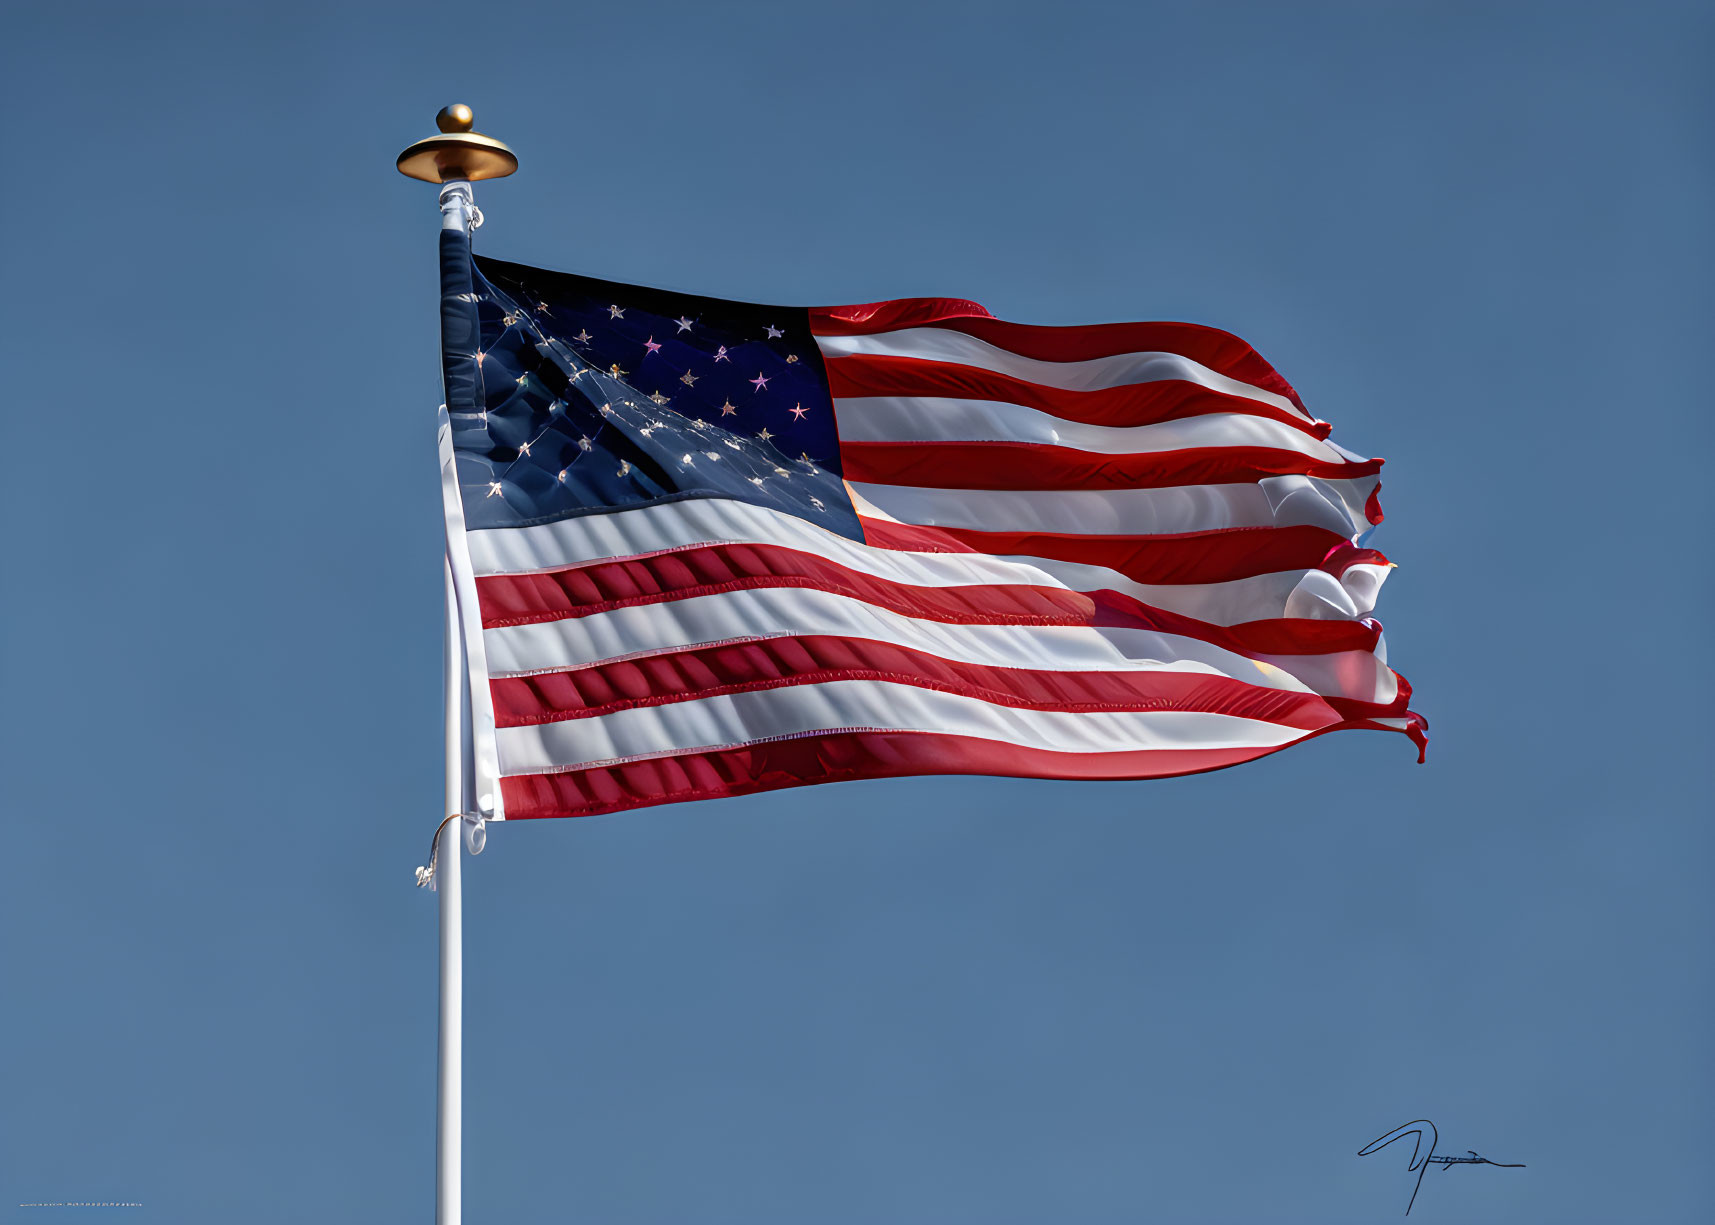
(703, 548)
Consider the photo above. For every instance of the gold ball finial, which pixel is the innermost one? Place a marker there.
(458, 152)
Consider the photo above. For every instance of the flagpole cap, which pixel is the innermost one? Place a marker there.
(458, 152)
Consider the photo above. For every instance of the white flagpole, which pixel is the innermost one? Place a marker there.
(455, 159)
(449, 1105)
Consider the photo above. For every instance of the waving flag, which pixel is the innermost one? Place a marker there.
(704, 548)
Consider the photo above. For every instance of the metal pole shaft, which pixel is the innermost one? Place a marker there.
(458, 338)
(449, 1131)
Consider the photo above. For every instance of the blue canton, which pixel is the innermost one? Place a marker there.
(591, 396)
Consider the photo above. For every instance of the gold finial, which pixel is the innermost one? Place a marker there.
(458, 152)
(454, 118)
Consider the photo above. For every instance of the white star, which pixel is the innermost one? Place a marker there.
(584, 444)
(479, 356)
(615, 312)
(734, 443)
(624, 466)
(774, 333)
(523, 379)
(684, 325)
(816, 502)
(524, 448)
(686, 458)
(578, 374)
(728, 408)
(606, 410)
(720, 354)
(688, 379)
(765, 435)
(583, 337)
(659, 398)
(712, 454)
(757, 481)
(493, 489)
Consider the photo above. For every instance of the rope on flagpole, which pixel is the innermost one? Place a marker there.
(476, 837)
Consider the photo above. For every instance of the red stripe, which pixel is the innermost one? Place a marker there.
(840, 757)
(1031, 465)
(1188, 557)
(597, 587)
(1345, 555)
(774, 663)
(1132, 404)
(1219, 351)
(871, 317)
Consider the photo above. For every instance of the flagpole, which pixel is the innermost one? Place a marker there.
(449, 1098)
(455, 159)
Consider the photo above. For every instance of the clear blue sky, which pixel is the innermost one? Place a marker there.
(1477, 238)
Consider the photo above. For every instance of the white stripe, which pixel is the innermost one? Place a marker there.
(1310, 594)
(484, 763)
(654, 529)
(1096, 373)
(745, 718)
(679, 525)
(937, 419)
(768, 612)
(1275, 501)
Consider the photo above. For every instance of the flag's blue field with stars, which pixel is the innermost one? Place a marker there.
(597, 395)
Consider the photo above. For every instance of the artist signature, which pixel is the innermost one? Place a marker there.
(1422, 1128)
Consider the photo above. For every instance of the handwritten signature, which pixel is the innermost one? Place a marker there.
(1422, 1128)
